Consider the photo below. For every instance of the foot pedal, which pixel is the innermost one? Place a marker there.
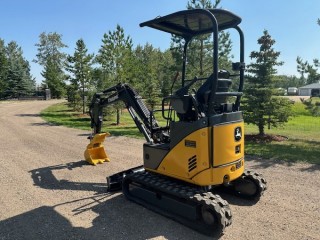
(95, 152)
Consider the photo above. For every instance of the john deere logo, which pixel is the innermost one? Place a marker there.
(237, 134)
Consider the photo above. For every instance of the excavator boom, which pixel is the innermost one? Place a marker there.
(141, 115)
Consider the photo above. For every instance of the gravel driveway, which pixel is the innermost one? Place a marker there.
(47, 191)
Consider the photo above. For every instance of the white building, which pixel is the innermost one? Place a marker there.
(310, 90)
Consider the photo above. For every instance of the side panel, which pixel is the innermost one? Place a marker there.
(189, 157)
(228, 143)
(219, 175)
(153, 155)
(208, 156)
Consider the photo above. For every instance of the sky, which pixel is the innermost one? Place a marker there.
(291, 23)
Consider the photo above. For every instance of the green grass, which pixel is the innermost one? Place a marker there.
(60, 114)
(303, 144)
(303, 132)
(292, 150)
(299, 127)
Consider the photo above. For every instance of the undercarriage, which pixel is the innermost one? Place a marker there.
(193, 206)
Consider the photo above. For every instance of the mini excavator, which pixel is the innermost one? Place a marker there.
(201, 148)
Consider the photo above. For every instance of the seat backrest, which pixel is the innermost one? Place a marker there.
(204, 90)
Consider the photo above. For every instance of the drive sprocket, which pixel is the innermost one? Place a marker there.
(250, 185)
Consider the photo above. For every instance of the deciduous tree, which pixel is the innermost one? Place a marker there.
(52, 58)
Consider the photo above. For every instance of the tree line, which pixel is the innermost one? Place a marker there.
(149, 70)
(15, 76)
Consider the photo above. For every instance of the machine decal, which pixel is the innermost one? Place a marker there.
(237, 134)
(189, 143)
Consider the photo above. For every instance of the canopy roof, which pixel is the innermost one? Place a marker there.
(189, 23)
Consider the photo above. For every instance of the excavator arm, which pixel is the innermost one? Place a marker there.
(141, 115)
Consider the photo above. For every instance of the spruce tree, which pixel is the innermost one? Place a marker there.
(80, 67)
(54, 77)
(261, 107)
(3, 69)
(19, 81)
(148, 60)
(115, 56)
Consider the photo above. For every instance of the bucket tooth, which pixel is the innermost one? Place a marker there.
(95, 152)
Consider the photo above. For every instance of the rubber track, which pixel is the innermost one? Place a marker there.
(185, 193)
(254, 177)
(258, 179)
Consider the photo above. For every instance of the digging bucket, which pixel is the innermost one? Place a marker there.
(95, 152)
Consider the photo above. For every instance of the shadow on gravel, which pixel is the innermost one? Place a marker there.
(312, 168)
(36, 124)
(44, 124)
(117, 218)
(44, 178)
(28, 115)
(234, 200)
(84, 134)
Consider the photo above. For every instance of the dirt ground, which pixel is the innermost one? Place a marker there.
(47, 191)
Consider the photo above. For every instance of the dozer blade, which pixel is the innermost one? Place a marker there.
(95, 152)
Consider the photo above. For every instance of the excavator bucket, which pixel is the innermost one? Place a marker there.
(95, 152)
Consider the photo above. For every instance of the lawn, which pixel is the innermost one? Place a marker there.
(302, 131)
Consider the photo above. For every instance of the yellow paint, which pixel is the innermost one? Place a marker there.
(176, 163)
(224, 144)
(215, 176)
(95, 152)
(222, 168)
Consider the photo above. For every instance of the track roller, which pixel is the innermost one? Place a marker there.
(188, 204)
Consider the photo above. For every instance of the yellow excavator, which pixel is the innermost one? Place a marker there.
(201, 148)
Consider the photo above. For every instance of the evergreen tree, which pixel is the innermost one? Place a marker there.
(53, 76)
(114, 57)
(114, 50)
(166, 72)
(312, 106)
(149, 70)
(3, 69)
(260, 106)
(51, 57)
(19, 80)
(80, 67)
(304, 67)
(200, 48)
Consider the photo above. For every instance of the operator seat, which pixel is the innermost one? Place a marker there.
(203, 93)
(204, 90)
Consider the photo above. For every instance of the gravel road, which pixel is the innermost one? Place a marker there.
(47, 191)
